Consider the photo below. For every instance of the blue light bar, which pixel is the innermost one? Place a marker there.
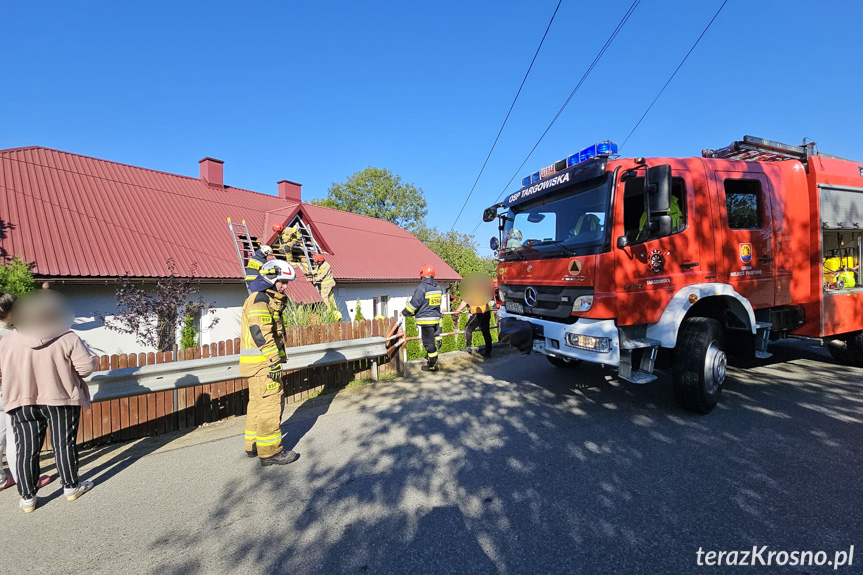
(603, 148)
(606, 148)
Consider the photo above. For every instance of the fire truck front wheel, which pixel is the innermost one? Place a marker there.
(699, 371)
(560, 362)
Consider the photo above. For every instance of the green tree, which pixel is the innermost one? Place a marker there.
(379, 194)
(359, 315)
(16, 278)
(456, 249)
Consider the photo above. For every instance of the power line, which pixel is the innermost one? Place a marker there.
(673, 74)
(507, 116)
(590, 68)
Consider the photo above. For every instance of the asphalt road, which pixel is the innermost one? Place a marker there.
(509, 466)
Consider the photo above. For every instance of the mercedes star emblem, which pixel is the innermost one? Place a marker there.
(530, 297)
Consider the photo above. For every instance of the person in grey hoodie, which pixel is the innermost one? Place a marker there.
(42, 363)
(7, 441)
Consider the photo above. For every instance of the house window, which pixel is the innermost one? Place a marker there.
(743, 204)
(385, 307)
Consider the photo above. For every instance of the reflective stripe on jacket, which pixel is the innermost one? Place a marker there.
(424, 305)
(263, 332)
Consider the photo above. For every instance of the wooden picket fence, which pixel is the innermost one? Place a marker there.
(174, 410)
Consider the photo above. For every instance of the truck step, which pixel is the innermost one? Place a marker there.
(639, 377)
(640, 343)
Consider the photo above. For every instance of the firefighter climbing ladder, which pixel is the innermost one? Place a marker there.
(307, 244)
(243, 244)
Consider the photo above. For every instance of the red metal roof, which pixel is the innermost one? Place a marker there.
(80, 217)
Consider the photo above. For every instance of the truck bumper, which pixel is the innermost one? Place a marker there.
(549, 338)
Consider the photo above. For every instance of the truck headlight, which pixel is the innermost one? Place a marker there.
(588, 342)
(502, 295)
(582, 303)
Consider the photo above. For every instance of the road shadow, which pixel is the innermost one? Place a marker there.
(514, 466)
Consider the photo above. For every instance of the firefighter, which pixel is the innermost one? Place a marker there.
(290, 237)
(253, 278)
(262, 351)
(324, 277)
(424, 305)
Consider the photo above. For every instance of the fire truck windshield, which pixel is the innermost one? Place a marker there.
(558, 225)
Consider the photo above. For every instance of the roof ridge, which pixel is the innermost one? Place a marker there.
(192, 178)
(360, 215)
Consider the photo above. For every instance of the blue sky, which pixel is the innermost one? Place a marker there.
(314, 91)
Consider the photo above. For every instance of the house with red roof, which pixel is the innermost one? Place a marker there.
(85, 223)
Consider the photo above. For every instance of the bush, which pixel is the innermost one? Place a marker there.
(450, 342)
(359, 315)
(15, 278)
(296, 315)
(189, 334)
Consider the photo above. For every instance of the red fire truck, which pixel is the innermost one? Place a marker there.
(608, 260)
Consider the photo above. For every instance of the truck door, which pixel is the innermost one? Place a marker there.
(649, 270)
(745, 247)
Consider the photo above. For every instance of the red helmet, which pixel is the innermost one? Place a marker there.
(427, 271)
(278, 227)
(319, 258)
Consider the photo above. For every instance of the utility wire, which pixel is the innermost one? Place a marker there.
(673, 74)
(590, 68)
(507, 116)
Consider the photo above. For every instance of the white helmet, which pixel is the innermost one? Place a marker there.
(266, 250)
(281, 270)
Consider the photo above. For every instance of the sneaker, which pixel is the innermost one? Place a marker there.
(73, 493)
(9, 482)
(282, 458)
(27, 505)
(253, 452)
(43, 481)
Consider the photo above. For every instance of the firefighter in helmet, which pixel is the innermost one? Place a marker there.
(424, 305)
(262, 351)
(324, 278)
(253, 278)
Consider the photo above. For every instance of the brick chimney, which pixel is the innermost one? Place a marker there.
(212, 172)
(290, 191)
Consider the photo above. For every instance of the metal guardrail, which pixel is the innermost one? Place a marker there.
(130, 381)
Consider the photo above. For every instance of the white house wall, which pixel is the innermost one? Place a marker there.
(399, 294)
(92, 301)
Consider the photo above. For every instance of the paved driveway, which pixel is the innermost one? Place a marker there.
(509, 466)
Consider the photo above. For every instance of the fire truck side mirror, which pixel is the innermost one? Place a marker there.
(659, 188)
(660, 227)
(489, 214)
(622, 242)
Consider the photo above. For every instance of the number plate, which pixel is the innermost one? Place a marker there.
(514, 307)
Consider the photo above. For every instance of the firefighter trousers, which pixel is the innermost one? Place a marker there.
(431, 337)
(264, 416)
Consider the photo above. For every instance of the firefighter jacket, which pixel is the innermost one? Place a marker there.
(262, 340)
(253, 278)
(324, 274)
(290, 236)
(424, 305)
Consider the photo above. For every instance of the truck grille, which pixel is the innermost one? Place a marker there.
(552, 302)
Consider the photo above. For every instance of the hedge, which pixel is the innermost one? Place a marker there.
(450, 342)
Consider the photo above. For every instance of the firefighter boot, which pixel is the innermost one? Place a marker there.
(432, 363)
(282, 458)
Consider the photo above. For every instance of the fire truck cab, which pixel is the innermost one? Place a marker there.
(608, 260)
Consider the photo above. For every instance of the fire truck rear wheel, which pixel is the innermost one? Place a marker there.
(559, 362)
(699, 370)
(851, 353)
